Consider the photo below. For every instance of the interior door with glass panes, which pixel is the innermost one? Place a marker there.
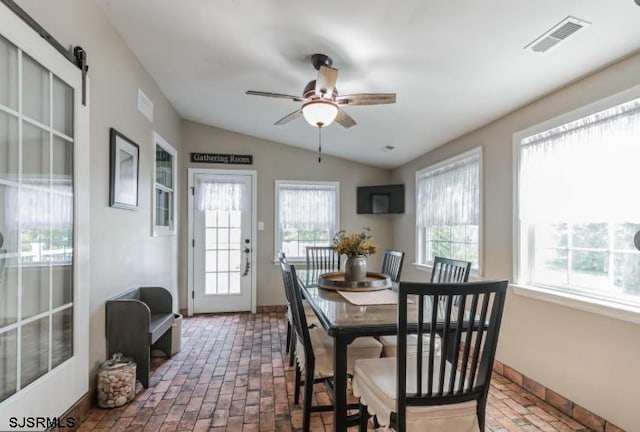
(44, 366)
(222, 242)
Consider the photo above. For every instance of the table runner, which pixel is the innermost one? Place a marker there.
(370, 298)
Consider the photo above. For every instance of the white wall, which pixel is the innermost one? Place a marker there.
(274, 161)
(588, 358)
(124, 255)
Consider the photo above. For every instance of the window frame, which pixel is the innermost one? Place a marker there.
(160, 230)
(419, 236)
(277, 244)
(572, 296)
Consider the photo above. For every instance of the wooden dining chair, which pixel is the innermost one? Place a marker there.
(440, 389)
(322, 258)
(392, 264)
(283, 259)
(312, 320)
(314, 351)
(445, 270)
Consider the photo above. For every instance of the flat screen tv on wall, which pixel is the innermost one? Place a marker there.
(382, 199)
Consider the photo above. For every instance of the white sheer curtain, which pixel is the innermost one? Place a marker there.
(450, 195)
(307, 206)
(36, 214)
(583, 171)
(220, 195)
(40, 209)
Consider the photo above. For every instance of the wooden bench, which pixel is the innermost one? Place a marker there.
(136, 322)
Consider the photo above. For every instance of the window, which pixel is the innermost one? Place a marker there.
(307, 214)
(164, 186)
(448, 210)
(577, 208)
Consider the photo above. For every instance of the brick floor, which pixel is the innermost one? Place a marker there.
(232, 376)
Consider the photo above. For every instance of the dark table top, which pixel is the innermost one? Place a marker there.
(338, 315)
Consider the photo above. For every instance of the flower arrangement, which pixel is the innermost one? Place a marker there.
(352, 244)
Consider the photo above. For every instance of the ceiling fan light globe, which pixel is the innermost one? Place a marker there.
(319, 113)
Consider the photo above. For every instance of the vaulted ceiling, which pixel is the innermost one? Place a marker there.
(455, 65)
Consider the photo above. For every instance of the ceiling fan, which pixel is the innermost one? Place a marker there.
(321, 103)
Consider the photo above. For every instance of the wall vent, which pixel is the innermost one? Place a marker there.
(145, 106)
(565, 28)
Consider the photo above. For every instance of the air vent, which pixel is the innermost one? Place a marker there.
(145, 106)
(557, 34)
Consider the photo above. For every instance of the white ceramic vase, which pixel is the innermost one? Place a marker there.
(355, 268)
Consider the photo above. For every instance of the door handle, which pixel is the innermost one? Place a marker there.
(247, 265)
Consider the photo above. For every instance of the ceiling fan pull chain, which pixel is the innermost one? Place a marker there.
(319, 144)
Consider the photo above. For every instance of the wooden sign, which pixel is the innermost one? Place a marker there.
(221, 158)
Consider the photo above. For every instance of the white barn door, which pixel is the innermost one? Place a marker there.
(44, 229)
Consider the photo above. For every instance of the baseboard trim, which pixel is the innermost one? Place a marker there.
(259, 309)
(559, 402)
(78, 412)
(271, 309)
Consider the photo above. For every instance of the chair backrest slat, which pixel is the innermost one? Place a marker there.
(456, 343)
(322, 258)
(478, 343)
(392, 264)
(446, 342)
(467, 343)
(459, 368)
(402, 353)
(419, 346)
(432, 348)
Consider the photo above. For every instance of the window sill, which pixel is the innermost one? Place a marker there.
(159, 232)
(598, 306)
(423, 267)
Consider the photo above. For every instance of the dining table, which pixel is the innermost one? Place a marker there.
(344, 322)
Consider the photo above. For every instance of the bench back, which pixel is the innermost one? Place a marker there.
(158, 299)
(133, 294)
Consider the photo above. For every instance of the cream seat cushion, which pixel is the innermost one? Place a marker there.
(374, 381)
(322, 343)
(390, 344)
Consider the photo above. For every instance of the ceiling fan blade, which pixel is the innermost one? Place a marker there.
(326, 81)
(276, 95)
(286, 119)
(344, 119)
(367, 99)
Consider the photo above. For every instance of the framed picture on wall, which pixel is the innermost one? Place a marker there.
(123, 171)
